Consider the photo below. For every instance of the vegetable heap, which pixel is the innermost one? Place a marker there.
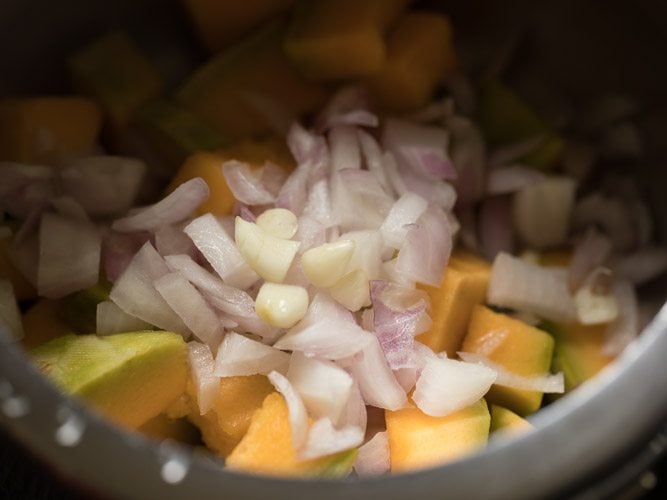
(373, 278)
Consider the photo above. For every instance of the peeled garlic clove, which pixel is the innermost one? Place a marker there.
(267, 255)
(281, 306)
(278, 222)
(325, 265)
(352, 290)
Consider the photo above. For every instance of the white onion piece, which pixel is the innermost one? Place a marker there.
(374, 160)
(549, 383)
(345, 148)
(236, 304)
(297, 411)
(530, 288)
(390, 273)
(118, 249)
(397, 314)
(495, 226)
(294, 192)
(447, 385)
(373, 456)
(69, 256)
(240, 356)
(625, 328)
(328, 331)
(426, 249)
(590, 252)
(377, 383)
(355, 413)
(421, 148)
(407, 377)
(306, 147)
(318, 206)
(10, 316)
(171, 240)
(175, 207)
(220, 250)
(642, 266)
(542, 211)
(505, 180)
(25, 188)
(406, 210)
(103, 185)
(595, 308)
(609, 214)
(352, 290)
(70, 208)
(348, 106)
(206, 383)
(135, 293)
(367, 254)
(514, 152)
(245, 184)
(323, 439)
(112, 319)
(436, 192)
(189, 304)
(358, 201)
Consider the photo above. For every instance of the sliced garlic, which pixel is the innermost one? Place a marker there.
(267, 255)
(278, 222)
(595, 309)
(352, 290)
(281, 305)
(325, 265)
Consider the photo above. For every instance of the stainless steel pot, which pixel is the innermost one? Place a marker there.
(588, 443)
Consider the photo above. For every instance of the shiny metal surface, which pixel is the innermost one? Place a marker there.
(586, 48)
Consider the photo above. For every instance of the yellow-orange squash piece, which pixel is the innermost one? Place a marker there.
(420, 55)
(417, 440)
(235, 90)
(464, 286)
(517, 347)
(114, 71)
(38, 129)
(507, 421)
(267, 447)
(220, 22)
(227, 422)
(340, 39)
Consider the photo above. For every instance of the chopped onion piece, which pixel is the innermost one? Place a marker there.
(240, 356)
(278, 222)
(405, 211)
(245, 184)
(135, 293)
(426, 250)
(377, 383)
(421, 148)
(373, 456)
(324, 439)
(175, 207)
(306, 147)
(328, 331)
(358, 201)
(542, 211)
(69, 256)
(642, 266)
(324, 387)
(367, 252)
(595, 308)
(297, 411)
(397, 314)
(495, 226)
(447, 385)
(436, 192)
(70, 208)
(189, 304)
(354, 414)
(103, 185)
(590, 252)
(374, 160)
(171, 240)
(268, 256)
(112, 319)
(207, 384)
(548, 383)
(352, 291)
(506, 180)
(219, 249)
(345, 149)
(118, 249)
(347, 107)
(531, 288)
(625, 328)
(10, 316)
